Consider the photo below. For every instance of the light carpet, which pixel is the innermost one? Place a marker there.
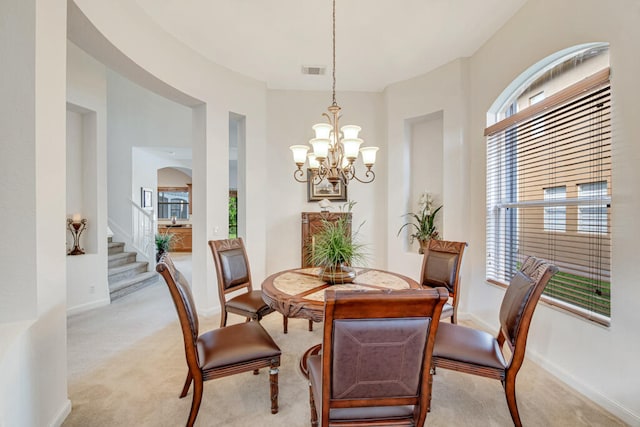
(127, 368)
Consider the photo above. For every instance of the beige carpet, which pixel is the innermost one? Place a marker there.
(127, 368)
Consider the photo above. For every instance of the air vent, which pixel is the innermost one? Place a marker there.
(312, 70)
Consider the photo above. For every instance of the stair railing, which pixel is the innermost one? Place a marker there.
(143, 227)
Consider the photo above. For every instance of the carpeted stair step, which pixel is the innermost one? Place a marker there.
(126, 271)
(121, 258)
(131, 284)
(115, 248)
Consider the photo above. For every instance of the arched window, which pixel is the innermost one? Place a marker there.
(549, 178)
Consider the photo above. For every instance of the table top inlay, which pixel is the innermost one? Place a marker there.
(300, 292)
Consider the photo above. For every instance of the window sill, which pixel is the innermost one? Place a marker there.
(565, 308)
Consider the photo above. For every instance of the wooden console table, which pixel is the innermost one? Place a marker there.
(311, 224)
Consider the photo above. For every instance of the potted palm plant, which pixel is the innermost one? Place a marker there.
(164, 243)
(423, 223)
(335, 250)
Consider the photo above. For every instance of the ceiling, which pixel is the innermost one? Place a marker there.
(377, 42)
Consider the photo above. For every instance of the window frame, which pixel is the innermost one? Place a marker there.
(504, 213)
(183, 205)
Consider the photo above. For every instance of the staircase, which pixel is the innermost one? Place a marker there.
(126, 275)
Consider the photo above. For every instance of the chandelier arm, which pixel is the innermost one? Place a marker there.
(299, 173)
(318, 177)
(368, 174)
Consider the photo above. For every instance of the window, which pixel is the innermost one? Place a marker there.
(555, 217)
(233, 214)
(173, 202)
(592, 218)
(549, 193)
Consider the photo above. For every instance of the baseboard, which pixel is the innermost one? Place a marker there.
(587, 391)
(578, 386)
(62, 414)
(88, 306)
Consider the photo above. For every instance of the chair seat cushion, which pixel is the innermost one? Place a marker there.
(250, 302)
(458, 343)
(372, 413)
(235, 344)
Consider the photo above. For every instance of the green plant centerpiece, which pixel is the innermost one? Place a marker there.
(335, 250)
(164, 243)
(423, 223)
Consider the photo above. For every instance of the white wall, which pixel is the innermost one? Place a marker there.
(600, 362)
(33, 370)
(290, 115)
(87, 285)
(138, 118)
(439, 94)
(213, 92)
(424, 136)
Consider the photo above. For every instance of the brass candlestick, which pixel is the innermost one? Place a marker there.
(76, 228)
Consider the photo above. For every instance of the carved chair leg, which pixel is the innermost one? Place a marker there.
(223, 317)
(285, 323)
(312, 408)
(273, 386)
(510, 392)
(454, 317)
(197, 399)
(187, 384)
(310, 325)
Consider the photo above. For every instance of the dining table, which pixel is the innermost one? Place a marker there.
(299, 292)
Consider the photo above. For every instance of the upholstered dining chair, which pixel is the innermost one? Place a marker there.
(441, 267)
(220, 352)
(372, 368)
(234, 274)
(477, 352)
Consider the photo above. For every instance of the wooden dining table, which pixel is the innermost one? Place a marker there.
(299, 293)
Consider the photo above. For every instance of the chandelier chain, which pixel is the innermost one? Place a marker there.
(334, 52)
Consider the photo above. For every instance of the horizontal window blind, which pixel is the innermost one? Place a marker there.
(549, 195)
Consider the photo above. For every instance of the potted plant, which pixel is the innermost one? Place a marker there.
(423, 223)
(164, 243)
(335, 250)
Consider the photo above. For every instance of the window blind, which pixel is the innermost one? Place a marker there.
(549, 195)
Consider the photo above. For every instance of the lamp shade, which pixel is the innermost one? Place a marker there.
(368, 155)
(322, 130)
(320, 148)
(351, 147)
(299, 153)
(313, 163)
(350, 131)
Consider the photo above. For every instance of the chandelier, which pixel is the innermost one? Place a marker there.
(334, 151)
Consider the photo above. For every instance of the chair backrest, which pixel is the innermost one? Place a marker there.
(441, 265)
(377, 348)
(519, 303)
(232, 265)
(183, 300)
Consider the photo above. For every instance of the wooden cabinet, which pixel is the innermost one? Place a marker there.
(311, 224)
(182, 242)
